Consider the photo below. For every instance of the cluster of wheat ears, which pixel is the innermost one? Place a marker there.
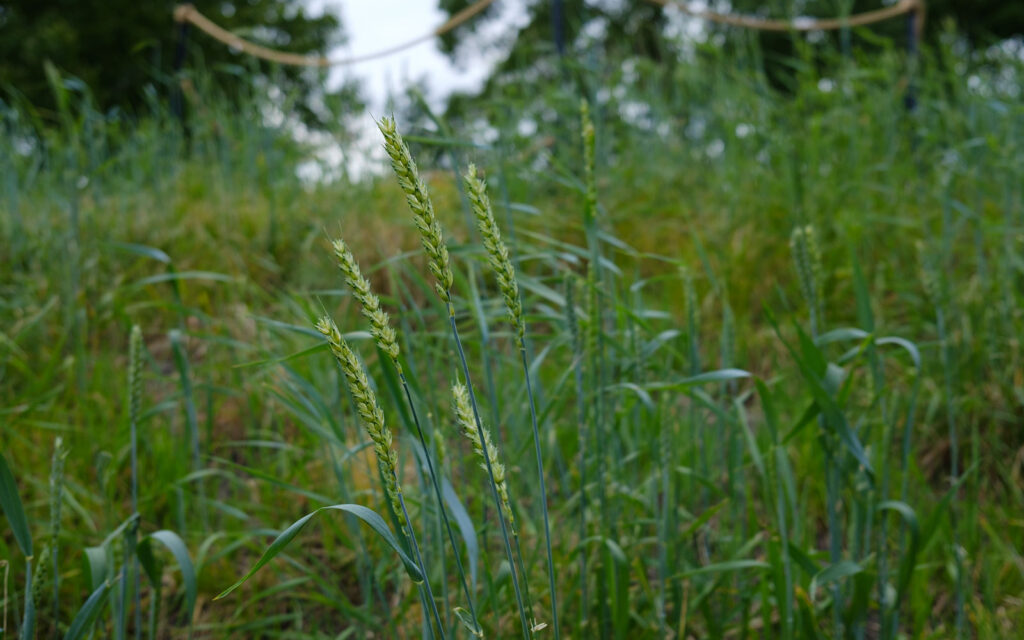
(464, 401)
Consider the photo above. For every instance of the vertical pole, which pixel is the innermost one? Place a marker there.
(558, 25)
(913, 35)
(177, 102)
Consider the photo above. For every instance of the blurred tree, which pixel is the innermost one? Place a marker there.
(979, 22)
(634, 29)
(118, 47)
(588, 30)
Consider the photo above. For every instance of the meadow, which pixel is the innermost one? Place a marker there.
(761, 348)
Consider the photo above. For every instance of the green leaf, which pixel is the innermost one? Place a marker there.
(142, 250)
(748, 434)
(723, 567)
(721, 375)
(13, 509)
(177, 547)
(644, 397)
(366, 515)
(99, 569)
(465, 524)
(813, 367)
(841, 335)
(184, 275)
(467, 622)
(613, 548)
(865, 316)
(703, 519)
(771, 416)
(323, 346)
(831, 573)
(87, 615)
(803, 560)
(907, 345)
(909, 555)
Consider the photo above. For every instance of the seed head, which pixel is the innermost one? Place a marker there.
(380, 327)
(497, 252)
(135, 373)
(929, 275)
(466, 419)
(807, 256)
(422, 208)
(589, 160)
(369, 411)
(593, 305)
(570, 313)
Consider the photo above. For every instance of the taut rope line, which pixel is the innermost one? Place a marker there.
(805, 24)
(186, 13)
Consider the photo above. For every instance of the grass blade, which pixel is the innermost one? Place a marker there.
(10, 501)
(366, 515)
(87, 615)
(177, 547)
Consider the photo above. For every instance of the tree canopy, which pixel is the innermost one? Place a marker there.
(118, 47)
(637, 26)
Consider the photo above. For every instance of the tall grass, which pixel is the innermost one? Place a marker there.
(732, 438)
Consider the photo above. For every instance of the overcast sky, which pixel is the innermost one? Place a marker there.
(373, 25)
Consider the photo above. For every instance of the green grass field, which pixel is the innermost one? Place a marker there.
(742, 308)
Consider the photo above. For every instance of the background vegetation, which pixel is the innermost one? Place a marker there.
(713, 385)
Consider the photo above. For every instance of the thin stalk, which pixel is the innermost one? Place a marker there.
(135, 406)
(834, 542)
(366, 405)
(429, 595)
(527, 633)
(56, 501)
(440, 502)
(387, 341)
(543, 490)
(908, 428)
(787, 571)
(581, 420)
(954, 464)
(28, 623)
(518, 548)
(480, 204)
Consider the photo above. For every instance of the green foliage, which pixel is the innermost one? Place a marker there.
(120, 52)
(715, 468)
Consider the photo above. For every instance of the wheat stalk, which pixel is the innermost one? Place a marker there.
(387, 340)
(380, 435)
(807, 256)
(420, 204)
(440, 266)
(497, 253)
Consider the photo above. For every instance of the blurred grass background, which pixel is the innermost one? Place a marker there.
(208, 230)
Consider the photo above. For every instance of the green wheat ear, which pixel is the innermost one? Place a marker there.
(422, 208)
(369, 411)
(589, 160)
(135, 372)
(380, 326)
(497, 252)
(929, 277)
(807, 256)
(464, 415)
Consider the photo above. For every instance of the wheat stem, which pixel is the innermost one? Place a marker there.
(499, 259)
(437, 253)
(381, 436)
(387, 339)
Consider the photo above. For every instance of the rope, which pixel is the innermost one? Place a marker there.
(187, 13)
(806, 24)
